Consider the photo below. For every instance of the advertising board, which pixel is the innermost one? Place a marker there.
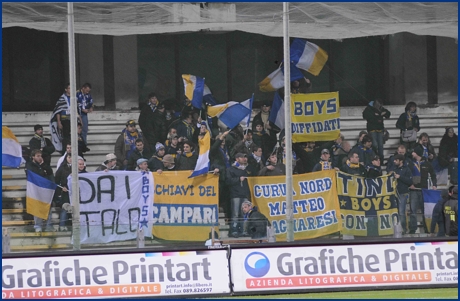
(295, 268)
(115, 276)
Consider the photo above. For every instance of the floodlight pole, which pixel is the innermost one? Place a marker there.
(75, 201)
(287, 124)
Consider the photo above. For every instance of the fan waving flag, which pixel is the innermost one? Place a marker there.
(202, 164)
(11, 149)
(308, 56)
(275, 80)
(230, 113)
(430, 198)
(277, 112)
(39, 196)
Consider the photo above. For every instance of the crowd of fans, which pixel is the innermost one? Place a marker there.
(168, 141)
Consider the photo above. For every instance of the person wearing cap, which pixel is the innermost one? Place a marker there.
(139, 152)
(43, 144)
(450, 210)
(188, 157)
(156, 161)
(437, 216)
(374, 170)
(147, 120)
(423, 176)
(236, 179)
(169, 164)
(364, 150)
(403, 176)
(172, 147)
(142, 165)
(110, 163)
(374, 113)
(325, 162)
(270, 128)
(273, 167)
(352, 166)
(126, 143)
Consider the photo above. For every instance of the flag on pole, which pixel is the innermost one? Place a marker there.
(275, 80)
(197, 91)
(308, 56)
(430, 198)
(39, 195)
(277, 112)
(202, 164)
(230, 113)
(11, 149)
(248, 104)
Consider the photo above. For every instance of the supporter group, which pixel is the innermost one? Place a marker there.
(166, 138)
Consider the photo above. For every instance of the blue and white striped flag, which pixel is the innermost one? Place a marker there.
(11, 149)
(202, 164)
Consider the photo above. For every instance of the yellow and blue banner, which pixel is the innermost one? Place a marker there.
(11, 149)
(316, 210)
(368, 206)
(40, 192)
(185, 208)
(202, 164)
(308, 56)
(315, 117)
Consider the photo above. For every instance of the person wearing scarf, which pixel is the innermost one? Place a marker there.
(236, 179)
(156, 161)
(42, 143)
(219, 163)
(374, 170)
(126, 143)
(255, 223)
(187, 159)
(364, 150)
(255, 160)
(409, 121)
(353, 166)
(325, 162)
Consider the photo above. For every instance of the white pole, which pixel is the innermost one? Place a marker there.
(73, 130)
(287, 123)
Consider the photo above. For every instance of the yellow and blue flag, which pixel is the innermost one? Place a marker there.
(11, 149)
(308, 56)
(202, 164)
(40, 192)
(275, 80)
(197, 91)
(277, 112)
(232, 112)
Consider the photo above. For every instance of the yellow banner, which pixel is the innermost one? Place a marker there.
(315, 117)
(368, 206)
(316, 210)
(185, 208)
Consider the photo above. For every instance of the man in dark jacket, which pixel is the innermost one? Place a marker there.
(137, 154)
(270, 128)
(400, 151)
(273, 167)
(403, 176)
(42, 143)
(374, 114)
(160, 128)
(364, 150)
(352, 166)
(437, 217)
(450, 211)
(147, 121)
(325, 162)
(255, 223)
(422, 172)
(409, 121)
(237, 182)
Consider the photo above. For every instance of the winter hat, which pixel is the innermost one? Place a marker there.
(418, 150)
(168, 159)
(37, 126)
(110, 157)
(159, 146)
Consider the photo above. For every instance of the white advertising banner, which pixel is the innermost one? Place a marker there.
(113, 205)
(116, 276)
(344, 266)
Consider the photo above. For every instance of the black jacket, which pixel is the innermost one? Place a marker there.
(35, 143)
(426, 169)
(404, 123)
(186, 163)
(359, 170)
(280, 169)
(237, 188)
(136, 155)
(450, 210)
(255, 224)
(147, 125)
(43, 170)
(405, 179)
(374, 118)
